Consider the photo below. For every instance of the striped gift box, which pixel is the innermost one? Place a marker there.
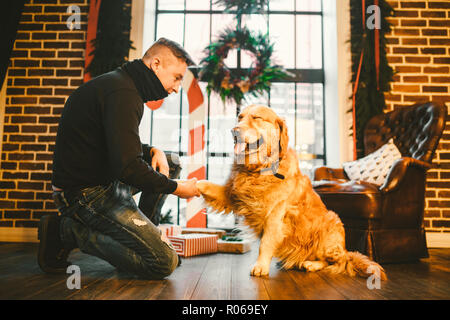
(220, 233)
(193, 244)
(170, 229)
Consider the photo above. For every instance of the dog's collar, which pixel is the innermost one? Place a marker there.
(274, 168)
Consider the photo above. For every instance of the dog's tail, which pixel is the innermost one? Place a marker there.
(360, 264)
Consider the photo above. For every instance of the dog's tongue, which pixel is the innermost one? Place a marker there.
(239, 147)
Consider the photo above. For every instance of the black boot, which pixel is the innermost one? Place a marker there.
(151, 203)
(52, 256)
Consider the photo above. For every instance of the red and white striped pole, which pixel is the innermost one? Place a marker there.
(195, 210)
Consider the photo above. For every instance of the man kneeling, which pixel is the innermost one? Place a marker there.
(99, 161)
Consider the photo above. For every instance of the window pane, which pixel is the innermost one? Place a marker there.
(222, 118)
(282, 98)
(318, 100)
(166, 124)
(297, 43)
(259, 99)
(218, 6)
(319, 146)
(171, 5)
(197, 31)
(171, 26)
(219, 169)
(282, 5)
(309, 42)
(309, 5)
(310, 118)
(221, 221)
(171, 202)
(307, 166)
(184, 121)
(257, 24)
(284, 41)
(305, 108)
(220, 22)
(197, 4)
(310, 126)
(144, 126)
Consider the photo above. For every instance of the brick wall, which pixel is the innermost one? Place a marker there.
(47, 64)
(419, 51)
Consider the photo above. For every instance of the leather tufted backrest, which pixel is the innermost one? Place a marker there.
(416, 130)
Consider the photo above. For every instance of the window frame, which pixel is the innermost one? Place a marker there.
(308, 76)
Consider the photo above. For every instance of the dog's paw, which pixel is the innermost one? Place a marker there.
(313, 266)
(203, 186)
(259, 270)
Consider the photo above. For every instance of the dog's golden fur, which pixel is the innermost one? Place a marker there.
(288, 215)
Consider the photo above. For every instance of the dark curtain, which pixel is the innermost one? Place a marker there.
(9, 20)
(112, 42)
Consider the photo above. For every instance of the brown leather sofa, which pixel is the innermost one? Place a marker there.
(386, 222)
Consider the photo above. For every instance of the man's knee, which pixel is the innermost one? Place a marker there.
(164, 267)
(169, 264)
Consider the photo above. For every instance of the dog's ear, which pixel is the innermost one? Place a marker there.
(284, 138)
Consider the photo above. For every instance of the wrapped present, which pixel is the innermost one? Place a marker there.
(234, 246)
(220, 233)
(170, 229)
(193, 244)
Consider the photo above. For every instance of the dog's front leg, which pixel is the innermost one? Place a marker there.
(271, 238)
(215, 196)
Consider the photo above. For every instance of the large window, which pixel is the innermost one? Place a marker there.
(295, 27)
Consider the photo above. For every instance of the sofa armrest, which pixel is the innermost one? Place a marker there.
(326, 173)
(398, 171)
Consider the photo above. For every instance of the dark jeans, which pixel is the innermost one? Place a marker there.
(105, 221)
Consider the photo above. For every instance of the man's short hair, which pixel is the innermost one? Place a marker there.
(177, 50)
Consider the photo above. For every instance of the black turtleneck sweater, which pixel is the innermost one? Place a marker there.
(98, 134)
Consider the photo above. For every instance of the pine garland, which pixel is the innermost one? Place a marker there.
(112, 44)
(369, 100)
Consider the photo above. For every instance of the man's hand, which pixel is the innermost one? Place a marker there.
(159, 161)
(187, 188)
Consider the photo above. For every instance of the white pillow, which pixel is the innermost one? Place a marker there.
(375, 166)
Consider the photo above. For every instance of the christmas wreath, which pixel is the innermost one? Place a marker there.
(235, 84)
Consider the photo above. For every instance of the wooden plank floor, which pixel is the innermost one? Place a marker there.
(217, 277)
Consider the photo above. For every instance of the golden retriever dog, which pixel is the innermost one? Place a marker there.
(279, 204)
